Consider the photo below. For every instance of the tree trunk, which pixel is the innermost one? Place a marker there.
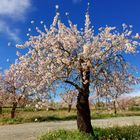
(83, 110)
(69, 107)
(115, 108)
(0, 109)
(98, 102)
(13, 111)
(83, 114)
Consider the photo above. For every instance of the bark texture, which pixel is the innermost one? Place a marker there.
(83, 110)
(83, 114)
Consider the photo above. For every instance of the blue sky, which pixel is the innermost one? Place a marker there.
(16, 15)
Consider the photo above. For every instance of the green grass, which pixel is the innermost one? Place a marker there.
(66, 135)
(24, 115)
(115, 133)
(11, 121)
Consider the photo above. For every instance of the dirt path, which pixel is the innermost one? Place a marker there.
(31, 131)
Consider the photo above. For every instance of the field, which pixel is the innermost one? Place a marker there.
(30, 115)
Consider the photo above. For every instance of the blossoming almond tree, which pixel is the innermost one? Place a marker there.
(12, 83)
(124, 102)
(4, 97)
(64, 54)
(116, 85)
(69, 98)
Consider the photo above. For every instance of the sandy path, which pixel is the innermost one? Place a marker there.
(30, 131)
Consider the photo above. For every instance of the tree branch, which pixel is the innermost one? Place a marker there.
(73, 84)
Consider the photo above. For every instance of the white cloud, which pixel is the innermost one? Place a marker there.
(76, 1)
(15, 9)
(11, 34)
